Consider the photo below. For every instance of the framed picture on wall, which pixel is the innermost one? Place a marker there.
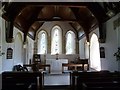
(9, 53)
(37, 58)
(102, 52)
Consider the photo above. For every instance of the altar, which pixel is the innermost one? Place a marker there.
(56, 65)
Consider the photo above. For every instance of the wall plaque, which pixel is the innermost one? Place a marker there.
(9, 53)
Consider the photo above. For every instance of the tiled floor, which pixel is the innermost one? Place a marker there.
(56, 79)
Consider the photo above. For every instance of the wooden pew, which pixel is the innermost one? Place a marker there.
(78, 78)
(101, 85)
(22, 80)
(75, 76)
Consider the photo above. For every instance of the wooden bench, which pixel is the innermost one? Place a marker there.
(78, 78)
(101, 85)
(22, 81)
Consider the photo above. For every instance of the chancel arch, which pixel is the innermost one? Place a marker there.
(94, 53)
(18, 59)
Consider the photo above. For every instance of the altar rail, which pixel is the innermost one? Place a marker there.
(79, 65)
(37, 67)
(22, 81)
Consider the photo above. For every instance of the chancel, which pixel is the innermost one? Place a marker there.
(56, 65)
(59, 45)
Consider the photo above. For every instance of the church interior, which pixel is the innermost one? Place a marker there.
(59, 45)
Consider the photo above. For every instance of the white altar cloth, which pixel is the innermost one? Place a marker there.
(56, 65)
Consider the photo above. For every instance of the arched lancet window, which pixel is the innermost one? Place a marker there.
(56, 40)
(95, 53)
(42, 42)
(70, 42)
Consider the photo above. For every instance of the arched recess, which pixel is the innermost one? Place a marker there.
(94, 53)
(56, 40)
(18, 59)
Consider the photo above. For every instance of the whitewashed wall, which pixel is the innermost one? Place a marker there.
(82, 48)
(1, 44)
(118, 29)
(7, 64)
(111, 45)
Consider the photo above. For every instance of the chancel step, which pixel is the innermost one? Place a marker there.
(57, 87)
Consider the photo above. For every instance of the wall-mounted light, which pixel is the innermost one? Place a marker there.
(1, 53)
(88, 43)
(110, 13)
(24, 46)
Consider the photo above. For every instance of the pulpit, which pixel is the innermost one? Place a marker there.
(56, 65)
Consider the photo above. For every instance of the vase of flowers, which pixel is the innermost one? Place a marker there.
(117, 54)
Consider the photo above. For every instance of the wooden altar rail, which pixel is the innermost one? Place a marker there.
(36, 67)
(43, 66)
(32, 66)
(75, 66)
